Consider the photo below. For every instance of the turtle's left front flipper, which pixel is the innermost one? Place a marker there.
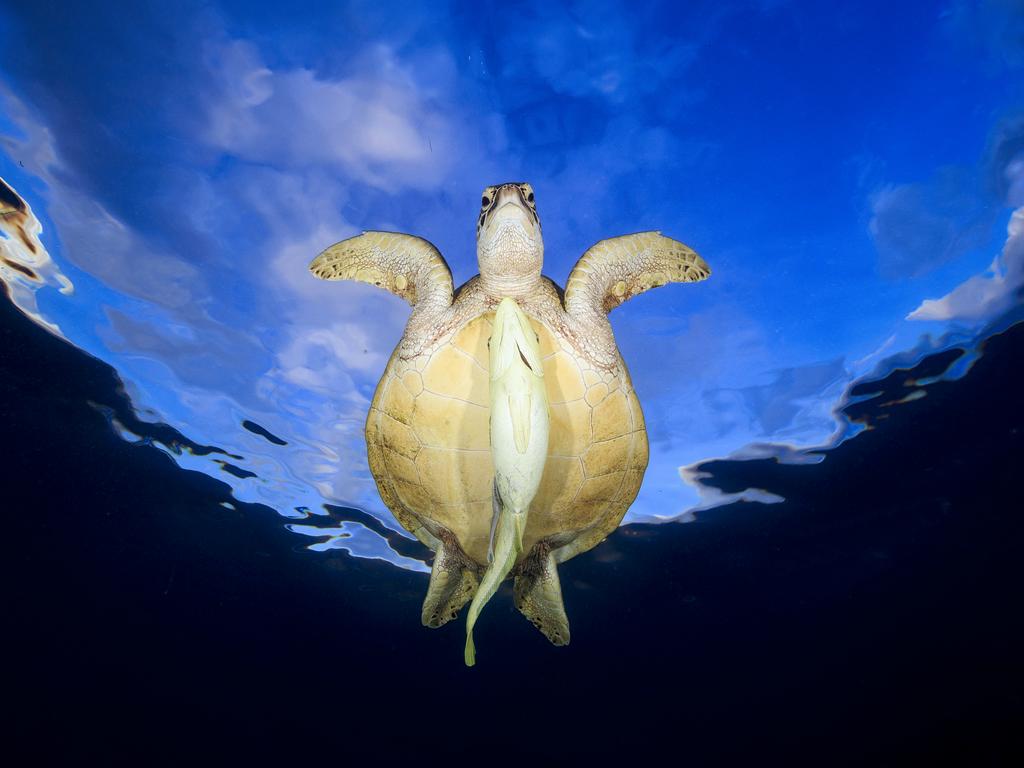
(616, 269)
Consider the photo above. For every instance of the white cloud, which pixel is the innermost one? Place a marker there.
(596, 49)
(323, 354)
(377, 125)
(984, 296)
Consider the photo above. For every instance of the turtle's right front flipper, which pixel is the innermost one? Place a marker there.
(408, 266)
(413, 269)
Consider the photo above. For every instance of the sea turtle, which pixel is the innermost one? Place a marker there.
(427, 429)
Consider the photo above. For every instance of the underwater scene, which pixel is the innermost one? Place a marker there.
(414, 382)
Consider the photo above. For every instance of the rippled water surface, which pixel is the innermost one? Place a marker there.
(834, 408)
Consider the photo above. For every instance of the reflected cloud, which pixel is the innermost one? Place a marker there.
(990, 29)
(985, 295)
(787, 403)
(917, 227)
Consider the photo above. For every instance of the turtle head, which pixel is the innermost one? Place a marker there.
(509, 246)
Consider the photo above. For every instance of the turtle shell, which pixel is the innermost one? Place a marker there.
(428, 444)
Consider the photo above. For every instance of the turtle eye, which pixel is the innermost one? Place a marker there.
(485, 202)
(529, 198)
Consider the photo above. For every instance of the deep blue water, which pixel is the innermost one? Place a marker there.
(873, 618)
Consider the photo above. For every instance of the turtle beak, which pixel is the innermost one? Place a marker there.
(509, 204)
(510, 193)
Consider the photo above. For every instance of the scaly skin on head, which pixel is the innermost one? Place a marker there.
(519, 446)
(509, 246)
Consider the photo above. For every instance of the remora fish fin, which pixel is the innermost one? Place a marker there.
(530, 352)
(519, 410)
(495, 511)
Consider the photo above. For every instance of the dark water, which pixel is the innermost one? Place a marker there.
(873, 618)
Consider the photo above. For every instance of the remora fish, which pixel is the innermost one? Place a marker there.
(519, 446)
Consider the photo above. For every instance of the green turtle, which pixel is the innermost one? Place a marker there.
(427, 432)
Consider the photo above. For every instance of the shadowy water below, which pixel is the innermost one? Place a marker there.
(873, 617)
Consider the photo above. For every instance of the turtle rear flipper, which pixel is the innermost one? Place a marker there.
(453, 582)
(538, 594)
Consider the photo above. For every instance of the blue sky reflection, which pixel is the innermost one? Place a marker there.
(851, 176)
